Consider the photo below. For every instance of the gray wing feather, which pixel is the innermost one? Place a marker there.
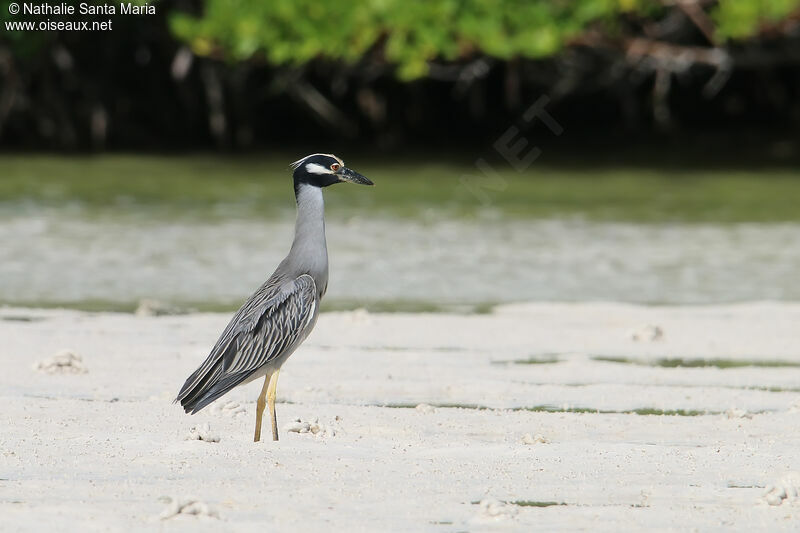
(268, 324)
(263, 339)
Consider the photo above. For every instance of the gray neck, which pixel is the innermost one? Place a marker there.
(309, 253)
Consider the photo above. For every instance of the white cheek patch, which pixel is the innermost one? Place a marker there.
(313, 168)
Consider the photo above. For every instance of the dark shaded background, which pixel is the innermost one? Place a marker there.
(140, 88)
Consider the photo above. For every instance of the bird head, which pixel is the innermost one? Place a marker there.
(321, 170)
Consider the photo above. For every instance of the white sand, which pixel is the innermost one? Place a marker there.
(106, 450)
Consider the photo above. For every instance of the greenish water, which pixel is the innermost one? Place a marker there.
(642, 411)
(201, 232)
(534, 503)
(678, 362)
(529, 503)
(206, 186)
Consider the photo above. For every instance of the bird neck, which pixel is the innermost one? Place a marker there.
(309, 249)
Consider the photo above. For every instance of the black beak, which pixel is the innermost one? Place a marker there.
(345, 174)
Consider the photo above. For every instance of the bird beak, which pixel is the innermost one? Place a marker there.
(345, 174)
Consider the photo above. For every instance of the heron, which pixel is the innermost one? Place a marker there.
(279, 316)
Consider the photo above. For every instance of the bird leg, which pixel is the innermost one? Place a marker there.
(260, 404)
(273, 386)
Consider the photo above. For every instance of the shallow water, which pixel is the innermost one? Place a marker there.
(203, 232)
(55, 257)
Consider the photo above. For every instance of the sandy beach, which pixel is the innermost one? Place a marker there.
(543, 417)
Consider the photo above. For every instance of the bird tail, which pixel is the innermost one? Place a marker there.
(197, 386)
(197, 394)
(219, 389)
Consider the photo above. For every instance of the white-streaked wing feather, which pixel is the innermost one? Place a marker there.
(281, 324)
(261, 329)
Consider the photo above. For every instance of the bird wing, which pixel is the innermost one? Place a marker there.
(268, 332)
(272, 320)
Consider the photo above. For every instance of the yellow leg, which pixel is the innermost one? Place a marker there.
(260, 403)
(273, 386)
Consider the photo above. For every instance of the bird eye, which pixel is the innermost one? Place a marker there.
(335, 167)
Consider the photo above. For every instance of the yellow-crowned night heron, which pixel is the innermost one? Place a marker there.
(275, 320)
